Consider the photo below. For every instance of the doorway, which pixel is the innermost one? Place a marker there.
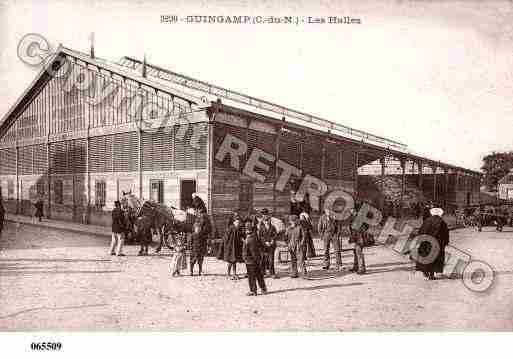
(187, 188)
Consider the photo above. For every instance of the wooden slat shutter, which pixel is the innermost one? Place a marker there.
(77, 156)
(40, 159)
(348, 164)
(121, 152)
(201, 143)
(59, 157)
(311, 158)
(147, 152)
(265, 142)
(100, 154)
(332, 162)
(25, 160)
(290, 148)
(126, 152)
(8, 161)
(162, 151)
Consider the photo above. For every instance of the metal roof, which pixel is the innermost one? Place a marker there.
(159, 78)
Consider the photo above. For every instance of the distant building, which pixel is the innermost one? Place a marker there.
(505, 187)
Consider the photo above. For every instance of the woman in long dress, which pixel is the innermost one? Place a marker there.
(232, 247)
(436, 228)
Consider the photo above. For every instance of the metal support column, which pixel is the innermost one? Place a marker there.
(17, 178)
(434, 168)
(446, 187)
(277, 157)
(382, 183)
(357, 153)
(403, 185)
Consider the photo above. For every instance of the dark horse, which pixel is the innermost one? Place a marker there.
(489, 218)
(167, 223)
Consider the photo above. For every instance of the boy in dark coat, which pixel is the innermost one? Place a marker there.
(200, 232)
(253, 260)
(296, 241)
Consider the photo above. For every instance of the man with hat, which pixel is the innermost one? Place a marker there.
(431, 247)
(118, 227)
(296, 241)
(330, 229)
(253, 259)
(267, 235)
(198, 205)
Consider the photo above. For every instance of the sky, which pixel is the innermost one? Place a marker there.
(437, 76)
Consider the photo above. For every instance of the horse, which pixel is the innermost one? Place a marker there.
(491, 218)
(165, 221)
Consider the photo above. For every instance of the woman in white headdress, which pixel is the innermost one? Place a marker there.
(431, 250)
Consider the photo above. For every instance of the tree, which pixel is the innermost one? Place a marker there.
(495, 166)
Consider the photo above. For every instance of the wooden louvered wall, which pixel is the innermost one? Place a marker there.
(305, 152)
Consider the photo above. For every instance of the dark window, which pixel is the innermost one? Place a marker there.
(101, 193)
(187, 188)
(57, 190)
(157, 191)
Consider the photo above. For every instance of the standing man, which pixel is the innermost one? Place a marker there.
(296, 241)
(358, 238)
(253, 260)
(39, 208)
(199, 243)
(329, 230)
(304, 221)
(425, 212)
(118, 227)
(267, 235)
(478, 218)
(198, 205)
(295, 205)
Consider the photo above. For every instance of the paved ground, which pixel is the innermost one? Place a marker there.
(57, 280)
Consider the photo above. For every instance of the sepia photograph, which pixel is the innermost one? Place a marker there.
(255, 166)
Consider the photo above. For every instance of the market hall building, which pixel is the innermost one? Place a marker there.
(86, 130)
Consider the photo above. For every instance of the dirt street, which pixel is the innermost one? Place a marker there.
(55, 280)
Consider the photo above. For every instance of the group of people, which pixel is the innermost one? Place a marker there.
(253, 241)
